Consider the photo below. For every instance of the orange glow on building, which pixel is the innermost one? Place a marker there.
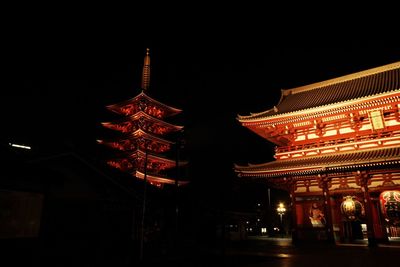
(143, 127)
(335, 138)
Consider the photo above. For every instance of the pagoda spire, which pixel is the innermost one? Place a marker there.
(140, 142)
(146, 71)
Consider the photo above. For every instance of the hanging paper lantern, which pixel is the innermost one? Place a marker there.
(351, 208)
(390, 206)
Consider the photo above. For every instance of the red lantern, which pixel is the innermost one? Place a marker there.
(390, 205)
(351, 208)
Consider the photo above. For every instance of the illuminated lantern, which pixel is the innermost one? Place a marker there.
(351, 208)
(390, 205)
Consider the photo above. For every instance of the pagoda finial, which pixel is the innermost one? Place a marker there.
(146, 71)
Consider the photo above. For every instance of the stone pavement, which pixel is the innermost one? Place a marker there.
(261, 251)
(253, 252)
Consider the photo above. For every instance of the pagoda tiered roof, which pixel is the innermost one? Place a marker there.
(138, 139)
(168, 162)
(142, 126)
(348, 161)
(143, 102)
(148, 136)
(136, 160)
(344, 89)
(143, 121)
(158, 180)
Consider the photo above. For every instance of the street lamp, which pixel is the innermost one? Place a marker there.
(144, 201)
(281, 210)
(179, 146)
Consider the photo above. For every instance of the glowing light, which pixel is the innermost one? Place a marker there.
(351, 208)
(281, 210)
(19, 146)
(390, 203)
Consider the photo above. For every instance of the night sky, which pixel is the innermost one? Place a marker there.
(60, 78)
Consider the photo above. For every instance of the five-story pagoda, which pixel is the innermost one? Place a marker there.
(141, 142)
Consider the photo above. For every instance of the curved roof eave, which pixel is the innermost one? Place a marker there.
(339, 80)
(310, 110)
(142, 94)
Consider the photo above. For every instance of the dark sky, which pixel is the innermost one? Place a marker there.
(60, 77)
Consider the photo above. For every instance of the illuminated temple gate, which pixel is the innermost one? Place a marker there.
(337, 155)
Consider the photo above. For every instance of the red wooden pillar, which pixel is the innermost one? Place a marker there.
(324, 183)
(379, 229)
(362, 179)
(339, 221)
(294, 230)
(337, 217)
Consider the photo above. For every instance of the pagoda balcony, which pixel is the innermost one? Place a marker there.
(131, 164)
(132, 145)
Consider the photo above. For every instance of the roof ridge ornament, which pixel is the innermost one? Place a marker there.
(146, 71)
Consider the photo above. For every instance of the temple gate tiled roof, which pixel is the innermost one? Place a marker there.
(361, 84)
(316, 164)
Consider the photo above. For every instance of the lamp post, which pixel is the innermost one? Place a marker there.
(144, 204)
(281, 210)
(178, 147)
